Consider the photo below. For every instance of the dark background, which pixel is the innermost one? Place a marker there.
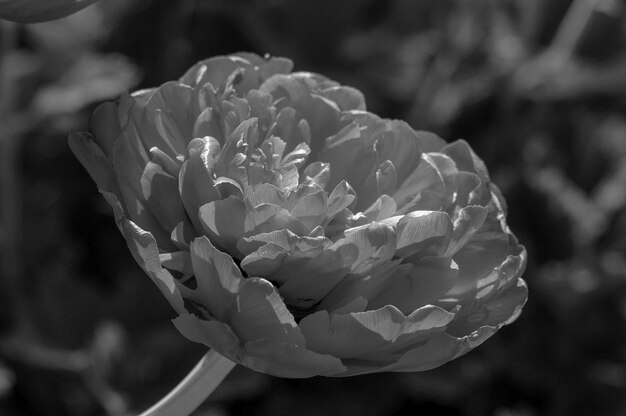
(538, 88)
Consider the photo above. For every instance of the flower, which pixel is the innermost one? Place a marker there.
(33, 11)
(298, 234)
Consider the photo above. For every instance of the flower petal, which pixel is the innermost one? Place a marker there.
(305, 269)
(128, 160)
(195, 180)
(425, 177)
(423, 233)
(106, 127)
(166, 121)
(401, 146)
(213, 334)
(364, 248)
(437, 351)
(92, 157)
(502, 310)
(251, 306)
(465, 159)
(290, 361)
(347, 98)
(158, 187)
(144, 249)
(425, 283)
(373, 334)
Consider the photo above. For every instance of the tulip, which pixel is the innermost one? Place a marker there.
(297, 234)
(34, 11)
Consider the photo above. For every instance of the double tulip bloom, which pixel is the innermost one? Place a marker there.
(33, 11)
(298, 234)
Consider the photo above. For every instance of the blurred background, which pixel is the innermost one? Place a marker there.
(537, 87)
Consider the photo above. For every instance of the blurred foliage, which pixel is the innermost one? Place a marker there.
(537, 87)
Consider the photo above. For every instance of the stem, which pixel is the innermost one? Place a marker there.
(573, 26)
(195, 387)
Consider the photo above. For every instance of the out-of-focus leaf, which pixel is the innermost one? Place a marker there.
(33, 11)
(92, 79)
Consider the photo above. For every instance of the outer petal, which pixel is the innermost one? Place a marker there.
(213, 334)
(282, 360)
(291, 361)
(167, 122)
(490, 253)
(94, 160)
(439, 350)
(502, 310)
(425, 283)
(106, 127)
(372, 335)
(144, 249)
(129, 160)
(251, 306)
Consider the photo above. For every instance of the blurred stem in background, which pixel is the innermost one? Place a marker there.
(12, 129)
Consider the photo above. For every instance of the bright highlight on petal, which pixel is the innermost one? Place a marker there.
(296, 233)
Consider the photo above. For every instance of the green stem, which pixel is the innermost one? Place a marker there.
(195, 387)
